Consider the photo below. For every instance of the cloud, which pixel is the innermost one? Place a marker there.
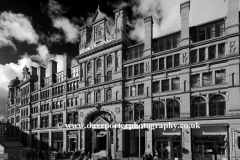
(16, 26)
(70, 30)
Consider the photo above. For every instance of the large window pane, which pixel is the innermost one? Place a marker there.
(207, 79)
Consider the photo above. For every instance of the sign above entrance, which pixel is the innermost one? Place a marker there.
(98, 45)
(102, 134)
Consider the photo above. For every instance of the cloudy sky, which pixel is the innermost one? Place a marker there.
(31, 31)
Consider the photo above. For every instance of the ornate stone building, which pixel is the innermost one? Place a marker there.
(184, 77)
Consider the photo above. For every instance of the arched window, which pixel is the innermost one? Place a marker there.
(138, 111)
(98, 33)
(109, 61)
(98, 96)
(99, 64)
(89, 67)
(128, 113)
(198, 107)
(109, 95)
(217, 105)
(70, 118)
(89, 98)
(76, 118)
(173, 109)
(158, 110)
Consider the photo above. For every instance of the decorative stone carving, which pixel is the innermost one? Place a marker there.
(233, 47)
(25, 73)
(147, 66)
(117, 110)
(185, 57)
(81, 114)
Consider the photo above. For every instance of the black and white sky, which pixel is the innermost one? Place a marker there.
(31, 31)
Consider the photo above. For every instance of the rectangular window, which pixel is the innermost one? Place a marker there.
(169, 42)
(89, 79)
(220, 76)
(169, 62)
(155, 65)
(156, 87)
(193, 56)
(161, 63)
(126, 91)
(162, 44)
(221, 50)
(140, 89)
(176, 60)
(136, 69)
(195, 80)
(109, 75)
(133, 90)
(98, 80)
(141, 68)
(176, 38)
(202, 34)
(207, 79)
(212, 52)
(76, 100)
(130, 71)
(165, 85)
(202, 54)
(220, 29)
(211, 31)
(175, 83)
(125, 72)
(155, 46)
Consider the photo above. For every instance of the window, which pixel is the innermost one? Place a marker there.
(156, 87)
(109, 95)
(130, 71)
(89, 67)
(155, 65)
(89, 98)
(136, 69)
(109, 75)
(89, 80)
(133, 90)
(202, 33)
(221, 50)
(138, 111)
(220, 29)
(141, 68)
(161, 63)
(195, 80)
(193, 56)
(125, 72)
(134, 52)
(176, 60)
(220, 77)
(207, 79)
(169, 62)
(140, 89)
(75, 118)
(217, 105)
(128, 113)
(212, 52)
(99, 64)
(173, 109)
(55, 120)
(165, 85)
(98, 80)
(202, 54)
(126, 91)
(109, 61)
(175, 83)
(98, 96)
(198, 107)
(158, 110)
(211, 31)
(168, 43)
(70, 118)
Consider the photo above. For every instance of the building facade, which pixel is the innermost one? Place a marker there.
(184, 77)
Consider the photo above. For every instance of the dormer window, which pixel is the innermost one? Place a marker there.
(98, 33)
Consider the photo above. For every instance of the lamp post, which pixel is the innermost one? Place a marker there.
(139, 134)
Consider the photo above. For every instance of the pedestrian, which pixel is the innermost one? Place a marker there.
(72, 156)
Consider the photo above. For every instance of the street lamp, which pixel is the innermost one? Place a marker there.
(139, 134)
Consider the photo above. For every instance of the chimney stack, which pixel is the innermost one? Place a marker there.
(184, 11)
(41, 72)
(52, 68)
(66, 65)
(33, 71)
(148, 24)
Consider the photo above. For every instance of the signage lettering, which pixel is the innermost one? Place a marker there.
(98, 45)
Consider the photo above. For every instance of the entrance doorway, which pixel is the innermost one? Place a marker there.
(72, 144)
(101, 140)
(132, 143)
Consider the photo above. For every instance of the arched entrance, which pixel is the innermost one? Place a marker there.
(98, 140)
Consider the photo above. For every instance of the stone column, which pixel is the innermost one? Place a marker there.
(50, 139)
(186, 144)
(64, 140)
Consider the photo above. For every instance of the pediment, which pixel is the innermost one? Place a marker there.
(98, 16)
(101, 120)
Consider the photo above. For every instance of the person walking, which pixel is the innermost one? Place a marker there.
(72, 157)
